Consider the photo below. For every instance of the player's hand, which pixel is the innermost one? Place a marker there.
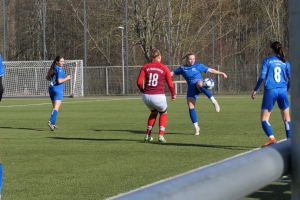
(68, 77)
(253, 94)
(224, 75)
(172, 73)
(173, 97)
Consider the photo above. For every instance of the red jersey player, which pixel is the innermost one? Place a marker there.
(155, 74)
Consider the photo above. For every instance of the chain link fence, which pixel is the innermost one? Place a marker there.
(109, 80)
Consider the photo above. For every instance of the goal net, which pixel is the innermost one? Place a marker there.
(28, 78)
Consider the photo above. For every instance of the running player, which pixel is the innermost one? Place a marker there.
(191, 72)
(57, 77)
(276, 71)
(155, 74)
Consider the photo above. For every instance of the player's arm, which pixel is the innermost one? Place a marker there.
(213, 71)
(62, 80)
(140, 80)
(260, 79)
(170, 84)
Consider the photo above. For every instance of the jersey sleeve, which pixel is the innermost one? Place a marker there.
(140, 80)
(177, 71)
(262, 75)
(202, 68)
(169, 81)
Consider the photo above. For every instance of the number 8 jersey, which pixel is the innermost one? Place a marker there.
(276, 73)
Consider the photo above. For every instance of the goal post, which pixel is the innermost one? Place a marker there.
(28, 78)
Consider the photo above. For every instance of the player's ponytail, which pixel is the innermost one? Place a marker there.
(278, 50)
(51, 70)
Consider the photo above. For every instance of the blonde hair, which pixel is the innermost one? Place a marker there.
(154, 54)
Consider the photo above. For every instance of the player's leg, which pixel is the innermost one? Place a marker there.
(265, 115)
(56, 99)
(268, 102)
(283, 104)
(191, 101)
(147, 99)
(163, 116)
(54, 113)
(150, 123)
(160, 103)
(287, 122)
(209, 95)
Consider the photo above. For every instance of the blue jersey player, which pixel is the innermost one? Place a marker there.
(277, 74)
(57, 77)
(191, 72)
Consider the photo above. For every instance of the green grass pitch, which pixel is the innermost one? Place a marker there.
(98, 150)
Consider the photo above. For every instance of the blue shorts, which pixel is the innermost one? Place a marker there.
(54, 95)
(271, 96)
(192, 91)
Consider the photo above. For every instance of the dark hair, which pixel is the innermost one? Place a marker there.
(276, 46)
(50, 71)
(154, 54)
(186, 57)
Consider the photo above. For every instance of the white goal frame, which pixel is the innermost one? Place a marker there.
(28, 78)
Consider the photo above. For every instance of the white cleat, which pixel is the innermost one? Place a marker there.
(217, 107)
(197, 130)
(51, 126)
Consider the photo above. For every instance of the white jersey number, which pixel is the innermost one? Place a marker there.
(53, 80)
(277, 74)
(153, 79)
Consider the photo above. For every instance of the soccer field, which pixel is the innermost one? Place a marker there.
(98, 150)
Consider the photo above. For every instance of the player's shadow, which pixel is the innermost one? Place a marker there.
(131, 131)
(29, 129)
(206, 146)
(135, 132)
(156, 143)
(90, 139)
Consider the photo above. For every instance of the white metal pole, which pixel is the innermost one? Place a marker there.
(123, 77)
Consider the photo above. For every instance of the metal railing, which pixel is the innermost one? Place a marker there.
(230, 179)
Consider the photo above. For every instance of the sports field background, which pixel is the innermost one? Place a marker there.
(98, 150)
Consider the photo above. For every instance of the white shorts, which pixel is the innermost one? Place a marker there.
(155, 102)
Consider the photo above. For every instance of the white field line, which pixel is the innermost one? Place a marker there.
(41, 104)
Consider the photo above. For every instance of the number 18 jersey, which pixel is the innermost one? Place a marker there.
(154, 74)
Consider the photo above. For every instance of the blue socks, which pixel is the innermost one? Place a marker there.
(53, 116)
(193, 115)
(206, 92)
(288, 127)
(267, 128)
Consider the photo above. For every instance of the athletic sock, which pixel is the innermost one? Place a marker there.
(196, 125)
(53, 116)
(162, 123)
(193, 115)
(288, 127)
(213, 100)
(151, 122)
(267, 128)
(206, 92)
